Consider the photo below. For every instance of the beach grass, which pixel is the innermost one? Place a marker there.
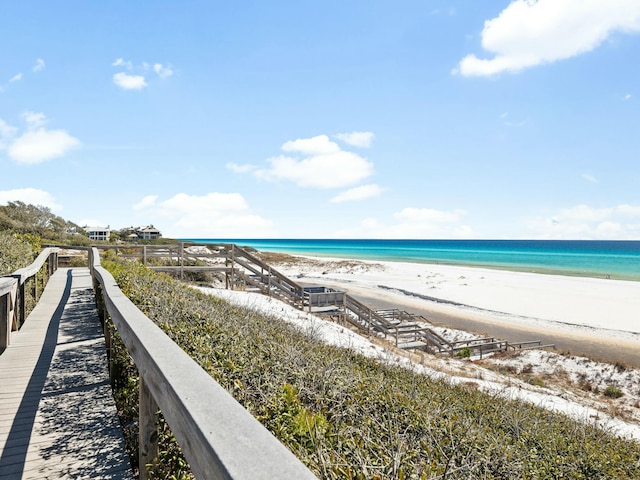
(348, 416)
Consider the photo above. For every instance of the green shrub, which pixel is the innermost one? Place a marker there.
(16, 251)
(612, 392)
(464, 352)
(537, 381)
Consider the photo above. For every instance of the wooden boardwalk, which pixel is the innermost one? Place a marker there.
(57, 415)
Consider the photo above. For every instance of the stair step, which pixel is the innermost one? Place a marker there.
(412, 345)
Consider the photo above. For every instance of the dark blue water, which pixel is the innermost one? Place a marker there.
(615, 259)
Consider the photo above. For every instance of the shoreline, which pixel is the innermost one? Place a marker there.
(617, 260)
(488, 266)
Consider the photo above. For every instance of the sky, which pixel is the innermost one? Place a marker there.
(326, 119)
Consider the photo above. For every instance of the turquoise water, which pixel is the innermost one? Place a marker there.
(615, 259)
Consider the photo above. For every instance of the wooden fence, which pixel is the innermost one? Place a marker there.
(13, 290)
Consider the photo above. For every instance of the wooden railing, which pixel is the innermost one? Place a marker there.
(239, 267)
(13, 289)
(218, 437)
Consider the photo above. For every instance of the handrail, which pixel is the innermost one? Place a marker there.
(6, 285)
(218, 437)
(272, 271)
(12, 293)
(23, 274)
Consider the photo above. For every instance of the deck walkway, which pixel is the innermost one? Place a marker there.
(57, 415)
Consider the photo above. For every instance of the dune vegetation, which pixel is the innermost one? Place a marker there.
(347, 416)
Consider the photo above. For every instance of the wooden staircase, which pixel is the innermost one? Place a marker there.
(245, 271)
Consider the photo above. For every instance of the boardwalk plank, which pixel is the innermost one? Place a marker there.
(57, 415)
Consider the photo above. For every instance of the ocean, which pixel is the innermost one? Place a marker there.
(591, 258)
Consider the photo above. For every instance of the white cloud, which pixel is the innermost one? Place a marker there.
(627, 96)
(246, 168)
(39, 65)
(16, 78)
(120, 62)
(146, 202)
(7, 132)
(529, 32)
(336, 170)
(323, 164)
(162, 71)
(357, 139)
(358, 193)
(129, 82)
(584, 222)
(33, 196)
(37, 146)
(589, 178)
(34, 119)
(318, 145)
(135, 80)
(214, 215)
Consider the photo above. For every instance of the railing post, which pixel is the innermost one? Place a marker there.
(181, 260)
(108, 343)
(148, 430)
(5, 321)
(233, 262)
(34, 288)
(22, 303)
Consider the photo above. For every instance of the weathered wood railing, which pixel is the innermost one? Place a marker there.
(274, 281)
(13, 289)
(218, 437)
(238, 265)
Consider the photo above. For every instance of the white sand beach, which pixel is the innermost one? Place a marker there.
(572, 305)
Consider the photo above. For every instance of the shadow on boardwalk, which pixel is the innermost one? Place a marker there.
(65, 424)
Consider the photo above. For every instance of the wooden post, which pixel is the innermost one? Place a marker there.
(22, 303)
(148, 429)
(35, 286)
(109, 347)
(5, 321)
(144, 254)
(181, 260)
(233, 262)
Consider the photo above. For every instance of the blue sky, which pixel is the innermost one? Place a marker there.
(326, 119)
